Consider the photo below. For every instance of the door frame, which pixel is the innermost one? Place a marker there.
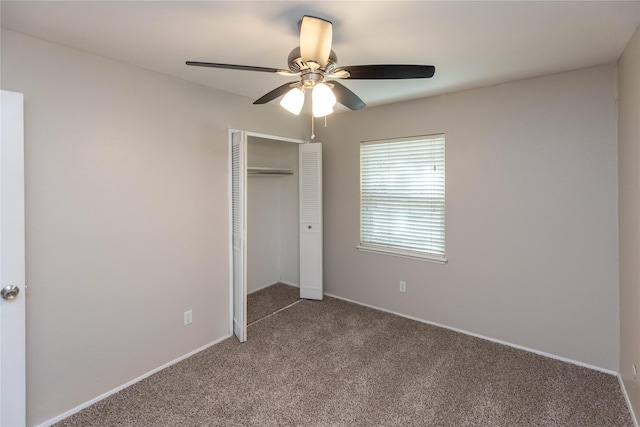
(247, 134)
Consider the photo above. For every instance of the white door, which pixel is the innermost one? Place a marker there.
(310, 188)
(12, 269)
(238, 232)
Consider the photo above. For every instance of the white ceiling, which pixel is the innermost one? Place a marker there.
(471, 44)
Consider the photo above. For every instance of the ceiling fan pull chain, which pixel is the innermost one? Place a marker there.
(313, 134)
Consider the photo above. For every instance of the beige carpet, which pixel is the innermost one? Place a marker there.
(268, 300)
(333, 363)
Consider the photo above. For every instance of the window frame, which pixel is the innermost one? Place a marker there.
(398, 250)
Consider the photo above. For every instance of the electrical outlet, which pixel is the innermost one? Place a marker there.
(188, 317)
(403, 286)
(635, 371)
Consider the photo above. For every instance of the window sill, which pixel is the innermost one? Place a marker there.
(402, 254)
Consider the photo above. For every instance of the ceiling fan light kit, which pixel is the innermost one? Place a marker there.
(322, 100)
(314, 62)
(293, 101)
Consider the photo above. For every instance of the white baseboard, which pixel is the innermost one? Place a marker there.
(130, 383)
(497, 341)
(271, 284)
(626, 398)
(261, 287)
(295, 285)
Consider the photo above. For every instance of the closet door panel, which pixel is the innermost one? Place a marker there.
(310, 190)
(238, 233)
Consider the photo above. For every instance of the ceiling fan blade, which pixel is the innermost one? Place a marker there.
(347, 98)
(279, 91)
(234, 67)
(316, 35)
(382, 72)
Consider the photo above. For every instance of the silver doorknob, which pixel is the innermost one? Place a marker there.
(9, 292)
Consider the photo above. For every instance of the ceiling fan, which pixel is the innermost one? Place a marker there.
(316, 66)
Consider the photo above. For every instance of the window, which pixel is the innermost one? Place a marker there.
(402, 198)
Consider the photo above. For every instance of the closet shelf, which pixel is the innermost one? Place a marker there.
(268, 171)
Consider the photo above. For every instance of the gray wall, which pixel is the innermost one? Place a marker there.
(629, 215)
(531, 222)
(126, 217)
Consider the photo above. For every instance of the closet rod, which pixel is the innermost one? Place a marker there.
(268, 171)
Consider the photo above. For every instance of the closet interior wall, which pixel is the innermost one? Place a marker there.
(272, 215)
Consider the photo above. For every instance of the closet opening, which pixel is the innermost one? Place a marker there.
(276, 225)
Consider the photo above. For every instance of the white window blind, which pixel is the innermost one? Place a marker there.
(402, 197)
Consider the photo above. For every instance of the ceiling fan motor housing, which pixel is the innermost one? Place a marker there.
(297, 65)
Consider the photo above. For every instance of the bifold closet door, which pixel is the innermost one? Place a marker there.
(238, 232)
(310, 190)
